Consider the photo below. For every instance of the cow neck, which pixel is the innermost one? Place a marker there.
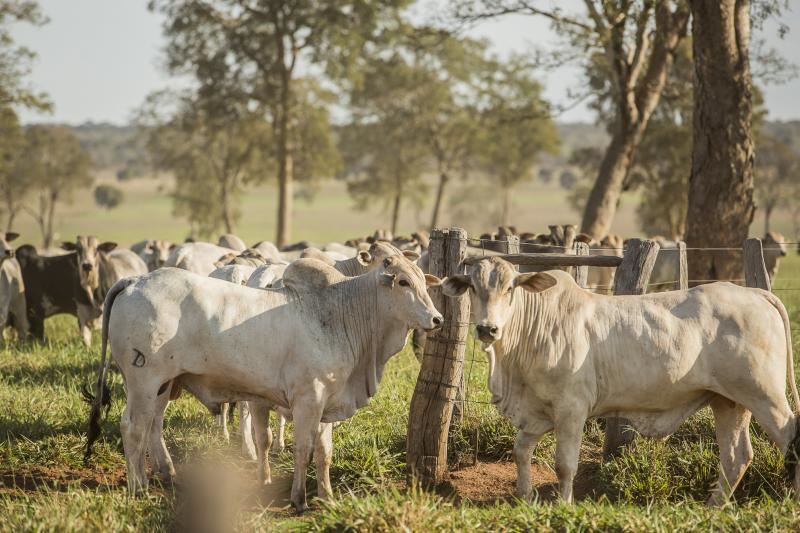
(367, 334)
(530, 328)
(350, 267)
(105, 271)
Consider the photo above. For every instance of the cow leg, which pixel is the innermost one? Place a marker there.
(569, 432)
(259, 413)
(222, 420)
(735, 452)
(323, 456)
(135, 427)
(246, 431)
(281, 431)
(36, 320)
(306, 413)
(159, 455)
(782, 426)
(20, 315)
(85, 324)
(523, 447)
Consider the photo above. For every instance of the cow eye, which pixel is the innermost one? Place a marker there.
(403, 283)
(511, 288)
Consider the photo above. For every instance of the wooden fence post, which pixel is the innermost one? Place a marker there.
(581, 272)
(755, 272)
(631, 278)
(442, 366)
(682, 283)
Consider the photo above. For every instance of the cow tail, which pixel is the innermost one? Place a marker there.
(792, 457)
(102, 395)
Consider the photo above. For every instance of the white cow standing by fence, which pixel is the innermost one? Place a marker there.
(317, 347)
(562, 354)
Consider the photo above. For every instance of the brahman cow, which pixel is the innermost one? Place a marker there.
(154, 252)
(12, 289)
(561, 354)
(774, 248)
(197, 257)
(229, 240)
(317, 347)
(75, 283)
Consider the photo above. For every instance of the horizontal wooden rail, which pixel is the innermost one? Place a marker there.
(555, 260)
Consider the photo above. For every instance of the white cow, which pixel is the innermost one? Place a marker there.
(317, 347)
(269, 250)
(229, 240)
(562, 354)
(154, 252)
(238, 274)
(12, 289)
(271, 276)
(197, 257)
(774, 248)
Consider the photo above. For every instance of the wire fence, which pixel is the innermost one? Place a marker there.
(476, 357)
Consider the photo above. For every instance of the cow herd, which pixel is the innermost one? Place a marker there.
(307, 331)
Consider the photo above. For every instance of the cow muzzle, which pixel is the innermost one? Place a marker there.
(86, 267)
(435, 323)
(488, 332)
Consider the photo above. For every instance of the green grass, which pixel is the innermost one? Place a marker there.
(45, 487)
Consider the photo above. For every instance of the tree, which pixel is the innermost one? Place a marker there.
(56, 166)
(213, 147)
(721, 204)
(515, 129)
(635, 41)
(15, 60)
(259, 46)
(14, 185)
(108, 196)
(777, 174)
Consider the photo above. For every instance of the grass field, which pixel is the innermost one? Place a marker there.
(146, 212)
(658, 486)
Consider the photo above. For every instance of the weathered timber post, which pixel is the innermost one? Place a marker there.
(511, 245)
(755, 272)
(442, 366)
(581, 272)
(682, 283)
(631, 278)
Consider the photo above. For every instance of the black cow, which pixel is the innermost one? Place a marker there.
(52, 287)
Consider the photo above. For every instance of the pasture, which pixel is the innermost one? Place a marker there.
(657, 486)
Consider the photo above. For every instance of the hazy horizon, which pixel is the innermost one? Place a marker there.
(102, 73)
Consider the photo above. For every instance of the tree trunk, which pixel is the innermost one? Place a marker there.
(396, 211)
(505, 214)
(601, 206)
(443, 178)
(638, 90)
(48, 216)
(285, 166)
(226, 210)
(721, 206)
(768, 207)
(12, 216)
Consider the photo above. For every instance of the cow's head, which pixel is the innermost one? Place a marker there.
(404, 289)
(89, 252)
(158, 252)
(379, 251)
(6, 250)
(492, 284)
(774, 248)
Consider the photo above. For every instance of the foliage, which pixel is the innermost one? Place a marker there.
(55, 165)
(516, 128)
(213, 148)
(14, 184)
(118, 148)
(108, 196)
(15, 61)
(252, 51)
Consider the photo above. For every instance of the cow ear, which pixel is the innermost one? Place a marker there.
(535, 281)
(455, 285)
(364, 258)
(107, 247)
(432, 281)
(172, 246)
(387, 280)
(69, 246)
(582, 237)
(411, 255)
(10, 236)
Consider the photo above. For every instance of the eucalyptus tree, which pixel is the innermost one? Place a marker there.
(635, 40)
(263, 47)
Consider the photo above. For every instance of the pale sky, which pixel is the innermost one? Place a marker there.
(98, 59)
